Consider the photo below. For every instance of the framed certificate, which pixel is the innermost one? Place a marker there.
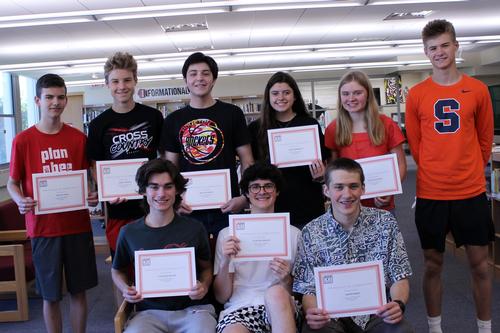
(207, 189)
(350, 290)
(60, 191)
(116, 179)
(165, 273)
(381, 176)
(262, 236)
(294, 146)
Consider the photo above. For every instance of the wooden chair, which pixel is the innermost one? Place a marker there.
(122, 315)
(18, 285)
(16, 266)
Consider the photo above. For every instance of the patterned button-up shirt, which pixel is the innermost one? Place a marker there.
(374, 236)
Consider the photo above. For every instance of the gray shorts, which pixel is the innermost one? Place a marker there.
(196, 318)
(73, 254)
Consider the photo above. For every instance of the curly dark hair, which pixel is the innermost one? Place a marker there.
(261, 170)
(156, 166)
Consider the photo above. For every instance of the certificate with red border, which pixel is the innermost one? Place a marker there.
(261, 236)
(350, 290)
(165, 273)
(294, 146)
(58, 192)
(207, 189)
(116, 179)
(381, 176)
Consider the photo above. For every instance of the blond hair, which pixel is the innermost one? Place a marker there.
(120, 60)
(374, 125)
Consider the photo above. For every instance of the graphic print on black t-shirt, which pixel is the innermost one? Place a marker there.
(202, 140)
(129, 140)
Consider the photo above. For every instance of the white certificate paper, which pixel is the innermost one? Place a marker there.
(60, 191)
(116, 179)
(207, 189)
(381, 176)
(262, 236)
(165, 273)
(350, 290)
(294, 146)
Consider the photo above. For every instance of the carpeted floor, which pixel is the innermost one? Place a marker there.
(458, 306)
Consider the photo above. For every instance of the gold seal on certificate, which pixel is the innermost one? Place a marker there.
(165, 273)
(60, 191)
(350, 290)
(207, 189)
(294, 146)
(262, 236)
(381, 176)
(116, 179)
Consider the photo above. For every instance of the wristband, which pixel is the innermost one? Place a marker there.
(401, 304)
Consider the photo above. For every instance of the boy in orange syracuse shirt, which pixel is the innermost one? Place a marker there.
(449, 123)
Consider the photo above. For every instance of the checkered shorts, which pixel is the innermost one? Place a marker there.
(253, 318)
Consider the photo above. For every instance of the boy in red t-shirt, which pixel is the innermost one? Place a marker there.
(449, 123)
(60, 241)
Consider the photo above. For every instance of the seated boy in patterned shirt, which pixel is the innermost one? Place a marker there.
(349, 233)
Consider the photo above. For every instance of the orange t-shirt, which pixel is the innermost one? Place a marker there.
(450, 132)
(362, 147)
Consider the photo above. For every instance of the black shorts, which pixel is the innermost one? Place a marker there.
(75, 253)
(469, 221)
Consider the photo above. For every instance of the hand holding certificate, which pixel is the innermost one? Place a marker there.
(294, 146)
(261, 236)
(207, 189)
(165, 273)
(116, 179)
(381, 176)
(350, 290)
(60, 191)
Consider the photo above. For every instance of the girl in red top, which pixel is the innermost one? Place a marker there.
(361, 131)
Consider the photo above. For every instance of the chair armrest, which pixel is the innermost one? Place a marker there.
(122, 315)
(13, 235)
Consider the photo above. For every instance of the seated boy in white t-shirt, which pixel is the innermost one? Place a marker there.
(256, 294)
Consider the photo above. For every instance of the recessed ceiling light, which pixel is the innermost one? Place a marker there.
(408, 15)
(195, 48)
(185, 27)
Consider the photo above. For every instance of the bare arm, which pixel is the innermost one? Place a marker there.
(203, 284)
(391, 312)
(400, 154)
(121, 282)
(24, 204)
(223, 282)
(245, 154)
(316, 318)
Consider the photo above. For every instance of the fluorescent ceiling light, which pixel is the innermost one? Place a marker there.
(162, 14)
(293, 6)
(46, 22)
(399, 2)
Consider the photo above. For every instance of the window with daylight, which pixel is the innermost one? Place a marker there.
(7, 120)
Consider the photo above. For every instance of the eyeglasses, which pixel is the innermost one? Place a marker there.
(268, 188)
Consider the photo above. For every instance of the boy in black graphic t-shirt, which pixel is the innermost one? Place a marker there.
(124, 131)
(207, 135)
